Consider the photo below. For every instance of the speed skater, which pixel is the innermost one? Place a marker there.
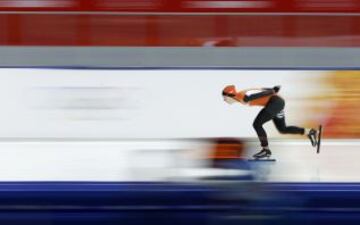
(273, 109)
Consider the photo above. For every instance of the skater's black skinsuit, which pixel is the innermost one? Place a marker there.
(274, 110)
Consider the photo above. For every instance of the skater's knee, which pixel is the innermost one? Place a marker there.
(256, 125)
(282, 130)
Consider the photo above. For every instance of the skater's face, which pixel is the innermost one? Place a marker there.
(229, 100)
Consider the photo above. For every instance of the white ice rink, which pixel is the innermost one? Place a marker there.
(40, 160)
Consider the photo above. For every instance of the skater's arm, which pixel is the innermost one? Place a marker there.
(252, 95)
(276, 88)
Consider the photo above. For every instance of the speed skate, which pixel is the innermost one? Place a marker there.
(318, 144)
(263, 155)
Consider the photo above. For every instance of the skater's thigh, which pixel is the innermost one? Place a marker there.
(263, 117)
(279, 120)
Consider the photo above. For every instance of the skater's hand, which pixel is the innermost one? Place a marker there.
(276, 88)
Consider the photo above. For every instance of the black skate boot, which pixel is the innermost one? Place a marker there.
(264, 153)
(313, 136)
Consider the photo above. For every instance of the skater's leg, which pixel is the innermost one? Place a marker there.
(281, 126)
(260, 119)
(274, 106)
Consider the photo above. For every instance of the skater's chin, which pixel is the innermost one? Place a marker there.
(229, 103)
(229, 100)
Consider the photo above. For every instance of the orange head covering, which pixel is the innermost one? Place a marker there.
(229, 91)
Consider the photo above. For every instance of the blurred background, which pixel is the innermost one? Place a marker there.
(112, 111)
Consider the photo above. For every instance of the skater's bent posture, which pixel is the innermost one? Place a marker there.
(273, 109)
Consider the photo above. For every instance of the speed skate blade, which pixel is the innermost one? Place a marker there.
(319, 140)
(262, 160)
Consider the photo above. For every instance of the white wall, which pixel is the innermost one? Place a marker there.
(40, 103)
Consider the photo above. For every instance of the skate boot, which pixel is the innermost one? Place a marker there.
(264, 153)
(313, 136)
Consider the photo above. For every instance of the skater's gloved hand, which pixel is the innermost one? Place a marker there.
(276, 88)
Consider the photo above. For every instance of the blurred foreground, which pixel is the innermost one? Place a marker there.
(193, 181)
(179, 203)
(186, 160)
